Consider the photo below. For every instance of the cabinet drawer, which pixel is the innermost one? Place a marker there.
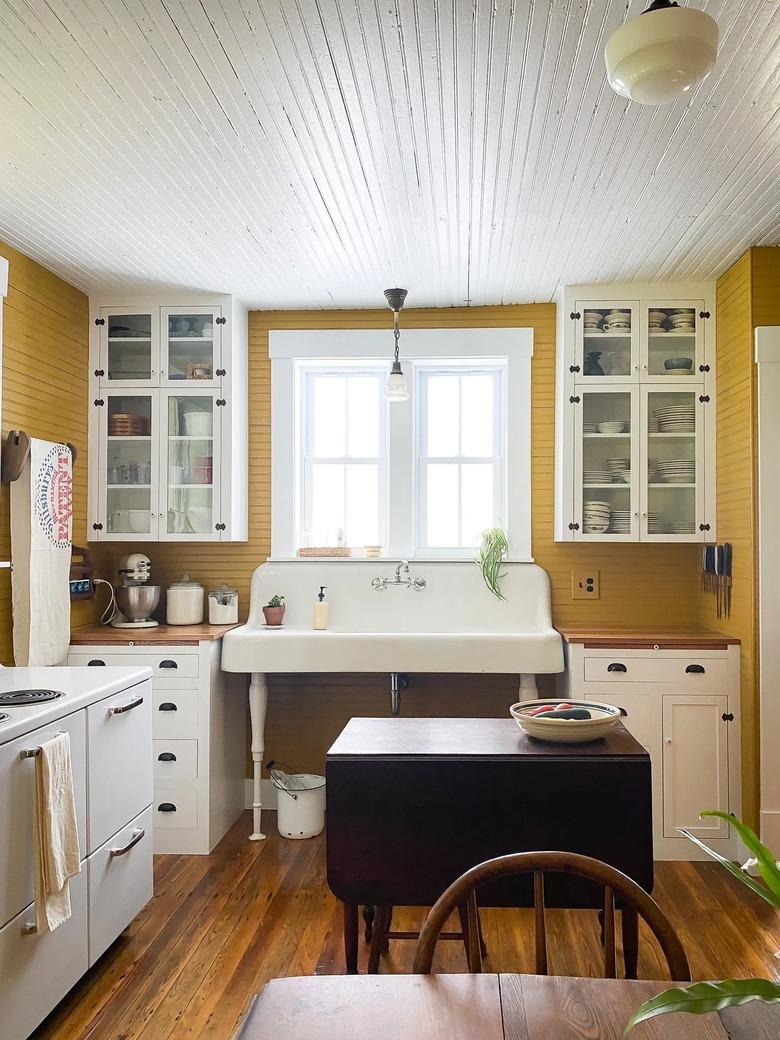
(119, 732)
(120, 882)
(17, 795)
(175, 806)
(164, 664)
(708, 674)
(175, 761)
(175, 713)
(38, 970)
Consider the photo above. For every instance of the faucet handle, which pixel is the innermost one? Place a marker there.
(378, 584)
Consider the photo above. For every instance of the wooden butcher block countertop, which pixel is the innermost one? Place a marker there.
(645, 638)
(163, 635)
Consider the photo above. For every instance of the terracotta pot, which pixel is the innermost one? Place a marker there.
(273, 615)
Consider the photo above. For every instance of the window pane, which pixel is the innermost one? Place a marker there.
(476, 502)
(362, 526)
(362, 417)
(442, 505)
(327, 503)
(477, 416)
(443, 415)
(328, 424)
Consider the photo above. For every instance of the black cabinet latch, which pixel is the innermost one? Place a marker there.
(99, 402)
(221, 372)
(574, 400)
(704, 527)
(574, 527)
(221, 402)
(100, 321)
(575, 315)
(574, 368)
(97, 527)
(219, 527)
(704, 314)
(703, 398)
(704, 368)
(99, 373)
(221, 321)
(727, 716)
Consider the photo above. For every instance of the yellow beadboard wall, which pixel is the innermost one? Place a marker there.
(647, 584)
(45, 380)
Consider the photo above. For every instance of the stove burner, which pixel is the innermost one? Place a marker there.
(16, 698)
(4, 715)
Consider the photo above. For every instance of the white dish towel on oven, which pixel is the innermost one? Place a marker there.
(57, 855)
(41, 525)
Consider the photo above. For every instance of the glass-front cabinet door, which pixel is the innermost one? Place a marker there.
(191, 346)
(129, 346)
(606, 463)
(673, 464)
(672, 341)
(607, 342)
(191, 465)
(128, 464)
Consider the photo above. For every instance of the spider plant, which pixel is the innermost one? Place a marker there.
(702, 997)
(493, 547)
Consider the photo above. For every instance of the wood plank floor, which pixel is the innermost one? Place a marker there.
(220, 926)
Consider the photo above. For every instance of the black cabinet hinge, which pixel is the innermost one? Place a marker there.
(219, 527)
(99, 373)
(704, 398)
(221, 372)
(574, 527)
(99, 402)
(100, 321)
(728, 716)
(574, 400)
(704, 527)
(704, 314)
(221, 402)
(575, 315)
(574, 368)
(221, 321)
(704, 368)
(97, 527)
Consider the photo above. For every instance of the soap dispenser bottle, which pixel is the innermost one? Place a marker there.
(321, 610)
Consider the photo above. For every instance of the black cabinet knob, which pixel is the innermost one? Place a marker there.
(166, 807)
(695, 669)
(167, 706)
(166, 756)
(616, 666)
(95, 662)
(168, 664)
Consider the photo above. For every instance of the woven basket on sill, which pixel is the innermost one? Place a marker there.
(325, 551)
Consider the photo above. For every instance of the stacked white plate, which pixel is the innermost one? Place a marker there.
(595, 517)
(655, 321)
(619, 470)
(683, 320)
(617, 321)
(676, 418)
(613, 426)
(592, 321)
(682, 527)
(596, 476)
(590, 427)
(620, 521)
(654, 525)
(676, 471)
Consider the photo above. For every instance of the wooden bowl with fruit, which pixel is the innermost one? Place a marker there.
(565, 722)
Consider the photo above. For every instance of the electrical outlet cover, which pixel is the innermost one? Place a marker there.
(585, 584)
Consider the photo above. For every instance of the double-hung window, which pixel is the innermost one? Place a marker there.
(419, 478)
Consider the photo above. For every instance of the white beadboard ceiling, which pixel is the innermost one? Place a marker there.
(310, 153)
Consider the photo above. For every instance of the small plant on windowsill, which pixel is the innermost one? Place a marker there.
(702, 997)
(492, 550)
(274, 611)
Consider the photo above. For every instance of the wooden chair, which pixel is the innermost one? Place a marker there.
(378, 933)
(635, 903)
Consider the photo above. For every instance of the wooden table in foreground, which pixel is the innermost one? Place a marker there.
(413, 803)
(482, 1007)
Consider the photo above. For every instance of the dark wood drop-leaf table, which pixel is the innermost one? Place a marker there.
(413, 803)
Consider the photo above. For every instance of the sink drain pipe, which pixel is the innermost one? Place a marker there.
(397, 683)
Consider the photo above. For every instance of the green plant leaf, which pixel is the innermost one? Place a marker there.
(492, 548)
(736, 871)
(706, 996)
(767, 864)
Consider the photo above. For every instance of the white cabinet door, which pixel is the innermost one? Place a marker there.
(129, 353)
(695, 763)
(120, 760)
(128, 459)
(17, 793)
(672, 340)
(120, 882)
(36, 971)
(191, 347)
(606, 341)
(191, 465)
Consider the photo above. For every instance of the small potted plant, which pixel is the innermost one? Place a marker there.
(274, 611)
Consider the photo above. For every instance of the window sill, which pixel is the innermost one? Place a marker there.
(389, 559)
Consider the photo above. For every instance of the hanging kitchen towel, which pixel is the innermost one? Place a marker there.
(41, 522)
(57, 856)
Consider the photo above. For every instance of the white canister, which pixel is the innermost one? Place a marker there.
(198, 424)
(184, 604)
(223, 605)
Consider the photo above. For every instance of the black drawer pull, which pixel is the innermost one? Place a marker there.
(616, 667)
(166, 807)
(167, 706)
(166, 756)
(95, 662)
(695, 669)
(168, 664)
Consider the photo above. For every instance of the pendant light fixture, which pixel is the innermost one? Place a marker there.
(397, 388)
(657, 57)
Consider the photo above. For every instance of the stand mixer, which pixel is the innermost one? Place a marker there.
(135, 599)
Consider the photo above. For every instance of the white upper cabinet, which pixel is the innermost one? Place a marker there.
(635, 417)
(168, 420)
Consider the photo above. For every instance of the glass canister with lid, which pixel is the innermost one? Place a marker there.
(184, 602)
(223, 605)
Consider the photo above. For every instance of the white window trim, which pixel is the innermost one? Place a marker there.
(514, 345)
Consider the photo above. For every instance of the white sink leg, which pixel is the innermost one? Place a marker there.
(528, 690)
(258, 702)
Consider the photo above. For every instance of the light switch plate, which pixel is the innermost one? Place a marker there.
(585, 584)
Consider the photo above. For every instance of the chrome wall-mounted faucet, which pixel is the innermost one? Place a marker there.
(407, 581)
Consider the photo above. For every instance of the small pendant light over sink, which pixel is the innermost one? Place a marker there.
(657, 57)
(397, 388)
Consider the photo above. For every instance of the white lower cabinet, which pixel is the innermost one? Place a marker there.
(120, 882)
(36, 971)
(683, 706)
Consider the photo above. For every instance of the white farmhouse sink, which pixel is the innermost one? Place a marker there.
(454, 624)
